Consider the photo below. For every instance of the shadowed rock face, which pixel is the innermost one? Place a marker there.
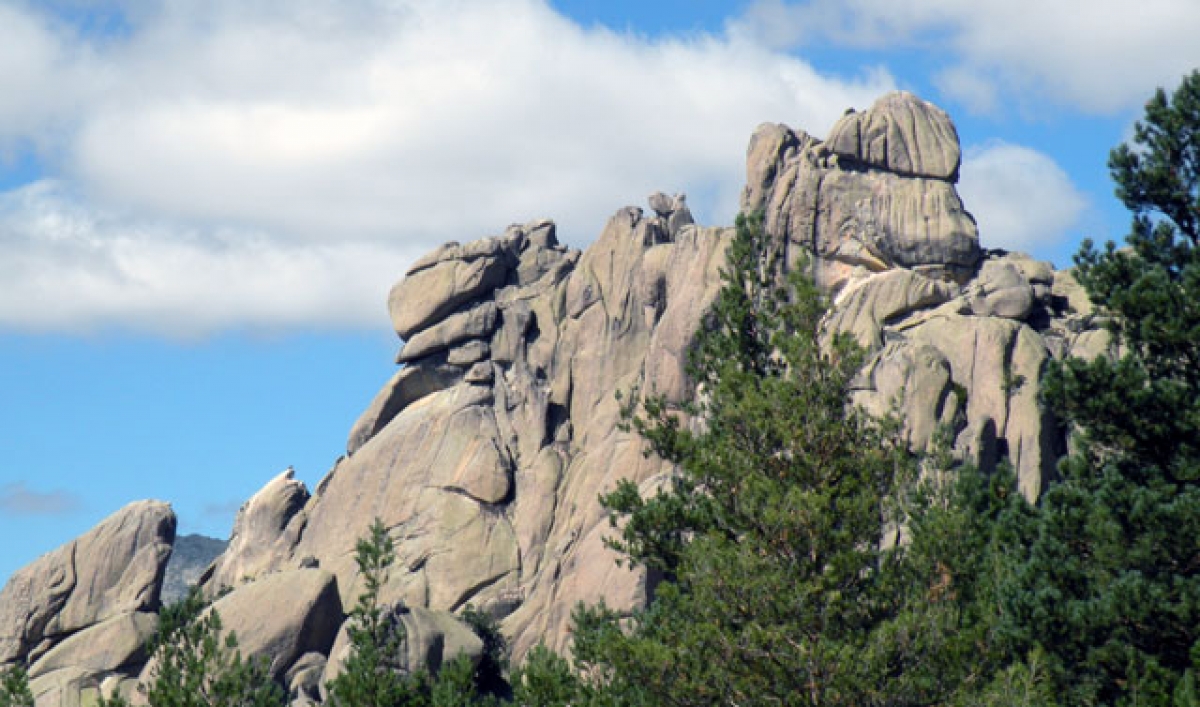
(485, 453)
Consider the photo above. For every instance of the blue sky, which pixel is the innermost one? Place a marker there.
(203, 204)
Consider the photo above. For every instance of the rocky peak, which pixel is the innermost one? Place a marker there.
(879, 194)
(901, 134)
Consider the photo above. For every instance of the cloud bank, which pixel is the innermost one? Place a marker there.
(261, 164)
(1021, 199)
(1099, 57)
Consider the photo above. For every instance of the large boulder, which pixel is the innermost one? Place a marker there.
(108, 646)
(438, 283)
(114, 569)
(900, 133)
(282, 616)
(878, 194)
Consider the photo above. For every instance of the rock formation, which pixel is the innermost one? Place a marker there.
(85, 610)
(485, 453)
(959, 334)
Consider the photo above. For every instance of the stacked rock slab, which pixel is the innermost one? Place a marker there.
(485, 454)
(83, 612)
(959, 335)
(878, 194)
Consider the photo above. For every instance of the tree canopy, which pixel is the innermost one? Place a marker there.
(1110, 588)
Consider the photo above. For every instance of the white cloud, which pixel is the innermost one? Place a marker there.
(1102, 56)
(225, 153)
(1021, 199)
(68, 267)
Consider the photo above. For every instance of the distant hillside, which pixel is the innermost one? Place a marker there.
(191, 555)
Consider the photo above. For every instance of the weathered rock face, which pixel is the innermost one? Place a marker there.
(987, 342)
(283, 616)
(878, 195)
(484, 455)
(116, 568)
(81, 612)
(265, 530)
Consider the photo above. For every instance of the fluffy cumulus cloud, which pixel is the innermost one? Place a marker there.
(1021, 198)
(263, 163)
(1100, 57)
(18, 499)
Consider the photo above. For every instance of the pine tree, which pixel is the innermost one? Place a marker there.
(546, 679)
(195, 663)
(769, 537)
(14, 688)
(1110, 590)
(375, 675)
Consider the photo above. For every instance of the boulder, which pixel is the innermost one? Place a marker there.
(451, 276)
(865, 305)
(112, 570)
(1001, 290)
(108, 646)
(901, 221)
(283, 616)
(900, 133)
(474, 323)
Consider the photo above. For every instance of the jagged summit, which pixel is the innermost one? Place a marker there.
(486, 451)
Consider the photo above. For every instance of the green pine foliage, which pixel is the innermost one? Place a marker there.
(196, 664)
(777, 587)
(374, 675)
(14, 688)
(1110, 588)
(547, 679)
